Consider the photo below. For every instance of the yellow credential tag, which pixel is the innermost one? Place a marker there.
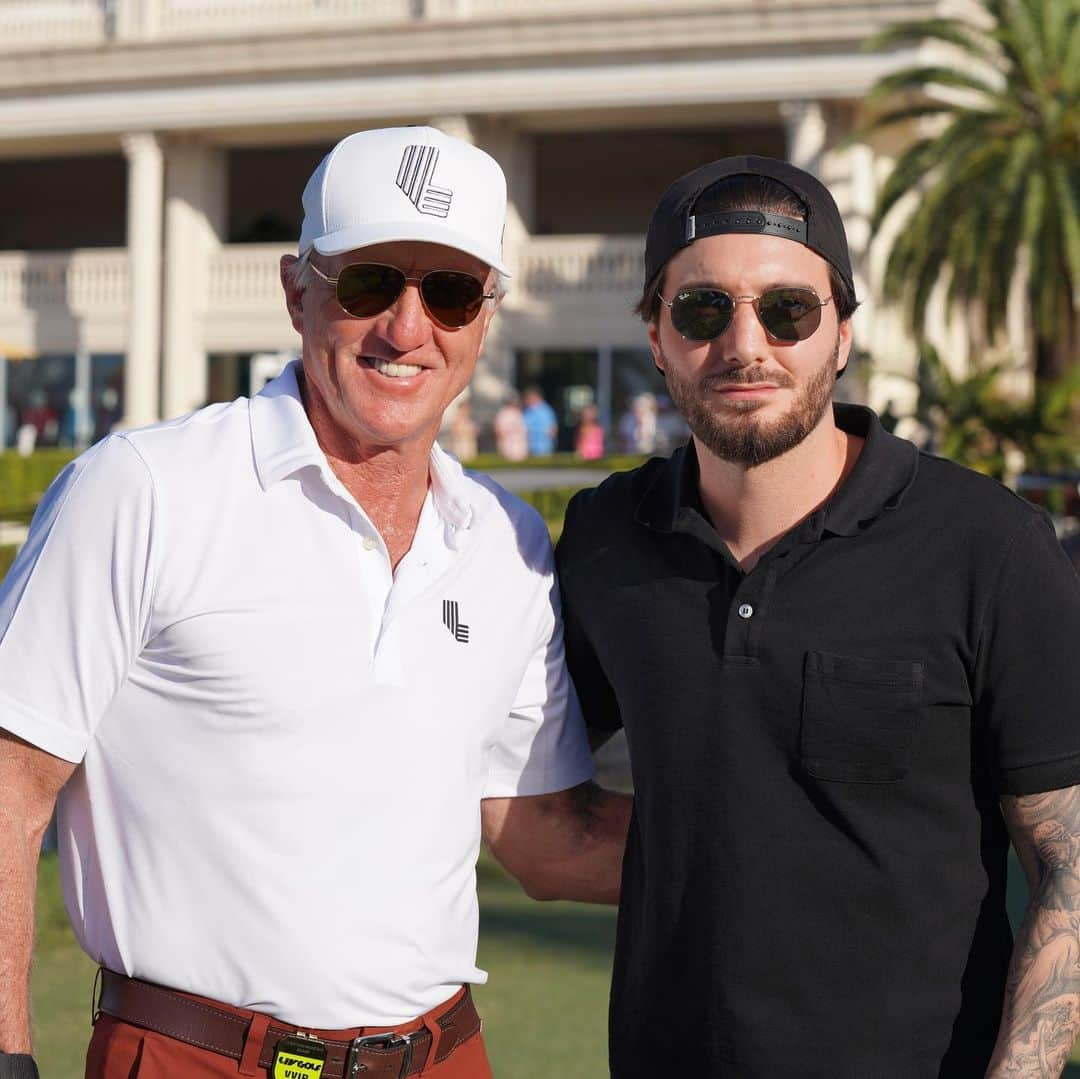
(295, 1060)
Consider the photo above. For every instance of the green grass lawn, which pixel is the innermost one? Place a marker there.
(544, 1007)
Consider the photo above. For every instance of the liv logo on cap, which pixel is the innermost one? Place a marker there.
(406, 184)
(417, 165)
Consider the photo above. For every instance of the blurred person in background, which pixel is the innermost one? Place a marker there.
(637, 428)
(107, 413)
(847, 674)
(671, 428)
(589, 437)
(289, 664)
(463, 432)
(43, 418)
(511, 438)
(541, 423)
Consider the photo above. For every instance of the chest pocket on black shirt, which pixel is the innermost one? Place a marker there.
(858, 717)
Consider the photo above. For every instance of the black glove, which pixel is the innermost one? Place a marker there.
(18, 1066)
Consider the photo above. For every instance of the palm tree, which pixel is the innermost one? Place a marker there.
(999, 180)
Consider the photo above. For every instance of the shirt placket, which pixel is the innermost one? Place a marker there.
(427, 561)
(748, 610)
(755, 596)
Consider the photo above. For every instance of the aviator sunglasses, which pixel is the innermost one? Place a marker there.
(452, 298)
(788, 313)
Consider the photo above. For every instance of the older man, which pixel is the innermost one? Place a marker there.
(289, 663)
(847, 674)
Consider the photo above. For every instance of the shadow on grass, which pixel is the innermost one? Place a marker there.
(553, 928)
(507, 914)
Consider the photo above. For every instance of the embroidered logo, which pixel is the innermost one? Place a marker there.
(414, 178)
(453, 622)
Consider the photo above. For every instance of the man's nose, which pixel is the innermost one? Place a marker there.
(744, 341)
(405, 324)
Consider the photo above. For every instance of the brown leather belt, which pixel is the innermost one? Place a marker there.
(197, 1022)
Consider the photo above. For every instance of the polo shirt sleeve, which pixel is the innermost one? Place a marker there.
(543, 746)
(1027, 679)
(75, 605)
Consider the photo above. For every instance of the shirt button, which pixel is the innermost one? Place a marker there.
(369, 543)
(746, 611)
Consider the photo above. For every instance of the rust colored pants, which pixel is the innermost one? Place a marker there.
(123, 1051)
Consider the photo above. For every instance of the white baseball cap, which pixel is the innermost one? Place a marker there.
(406, 183)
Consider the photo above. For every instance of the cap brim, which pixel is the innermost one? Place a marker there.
(358, 236)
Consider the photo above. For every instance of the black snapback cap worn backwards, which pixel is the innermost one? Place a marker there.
(675, 225)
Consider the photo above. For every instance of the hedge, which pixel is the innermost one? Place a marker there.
(492, 462)
(7, 556)
(23, 480)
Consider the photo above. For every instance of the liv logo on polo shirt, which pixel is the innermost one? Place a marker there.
(414, 178)
(453, 622)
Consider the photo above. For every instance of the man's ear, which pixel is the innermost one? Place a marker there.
(654, 345)
(294, 295)
(845, 339)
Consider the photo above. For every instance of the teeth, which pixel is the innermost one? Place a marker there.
(395, 370)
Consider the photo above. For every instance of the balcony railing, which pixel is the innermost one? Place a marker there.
(202, 18)
(245, 277)
(77, 283)
(50, 23)
(552, 267)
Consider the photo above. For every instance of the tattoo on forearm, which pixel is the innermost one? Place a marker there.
(1042, 1000)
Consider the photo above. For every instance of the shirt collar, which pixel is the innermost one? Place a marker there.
(881, 476)
(283, 442)
(282, 438)
(452, 489)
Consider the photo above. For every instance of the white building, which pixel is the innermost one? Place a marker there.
(152, 155)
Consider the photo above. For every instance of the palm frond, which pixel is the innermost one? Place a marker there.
(1018, 34)
(1068, 197)
(967, 36)
(1070, 61)
(919, 79)
(901, 114)
(970, 134)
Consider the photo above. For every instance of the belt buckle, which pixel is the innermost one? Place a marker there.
(378, 1041)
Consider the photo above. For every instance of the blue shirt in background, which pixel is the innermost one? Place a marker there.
(540, 427)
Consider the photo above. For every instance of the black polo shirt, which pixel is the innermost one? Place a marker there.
(815, 876)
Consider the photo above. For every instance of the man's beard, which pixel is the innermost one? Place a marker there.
(731, 432)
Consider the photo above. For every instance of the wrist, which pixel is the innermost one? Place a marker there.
(18, 1066)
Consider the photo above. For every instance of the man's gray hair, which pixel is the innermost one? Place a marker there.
(298, 274)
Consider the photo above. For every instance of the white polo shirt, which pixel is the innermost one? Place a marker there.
(284, 745)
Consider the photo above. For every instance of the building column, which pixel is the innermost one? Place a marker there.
(195, 209)
(144, 207)
(514, 150)
(805, 128)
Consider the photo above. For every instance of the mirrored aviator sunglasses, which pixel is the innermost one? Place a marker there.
(788, 314)
(453, 298)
